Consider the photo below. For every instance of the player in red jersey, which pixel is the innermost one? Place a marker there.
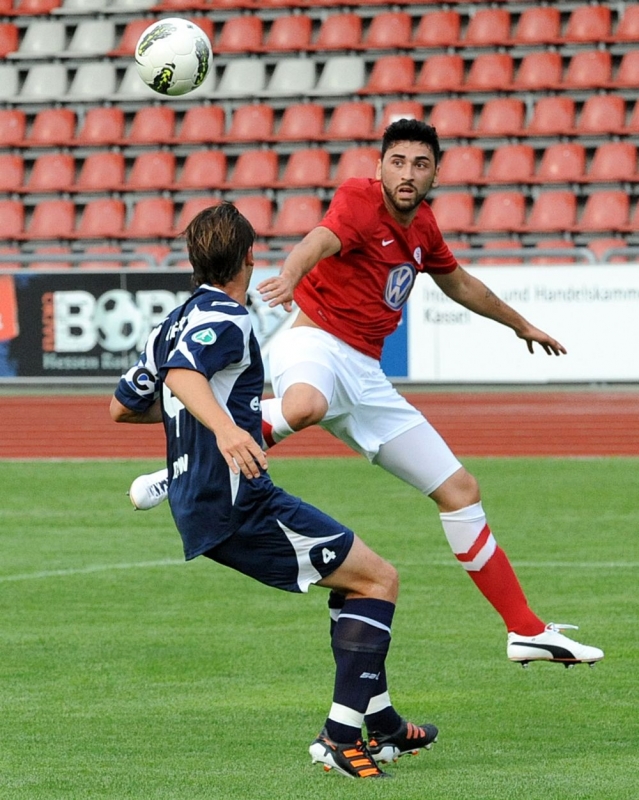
(350, 277)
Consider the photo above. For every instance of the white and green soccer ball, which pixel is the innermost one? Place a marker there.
(173, 56)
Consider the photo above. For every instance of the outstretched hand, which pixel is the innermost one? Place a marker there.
(277, 290)
(531, 335)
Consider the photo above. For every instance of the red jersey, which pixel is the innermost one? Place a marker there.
(358, 294)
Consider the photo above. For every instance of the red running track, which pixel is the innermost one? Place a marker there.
(579, 423)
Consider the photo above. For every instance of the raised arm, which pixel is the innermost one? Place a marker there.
(316, 245)
(471, 293)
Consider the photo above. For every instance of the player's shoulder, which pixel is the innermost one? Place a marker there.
(363, 188)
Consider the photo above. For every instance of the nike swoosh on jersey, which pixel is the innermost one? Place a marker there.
(386, 242)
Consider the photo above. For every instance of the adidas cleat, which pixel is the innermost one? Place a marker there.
(551, 645)
(407, 739)
(149, 491)
(352, 760)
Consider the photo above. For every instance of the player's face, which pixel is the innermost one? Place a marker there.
(407, 172)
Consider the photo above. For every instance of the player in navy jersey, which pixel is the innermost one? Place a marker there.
(201, 374)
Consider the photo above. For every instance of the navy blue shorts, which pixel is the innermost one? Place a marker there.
(289, 545)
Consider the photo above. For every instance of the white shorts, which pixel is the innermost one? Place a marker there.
(365, 410)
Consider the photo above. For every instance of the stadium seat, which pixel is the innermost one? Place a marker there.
(11, 173)
(130, 36)
(514, 163)
(306, 168)
(440, 74)
(391, 74)
(501, 116)
(539, 70)
(92, 38)
(47, 259)
(601, 246)
(159, 252)
(614, 161)
(291, 76)
(255, 169)
(190, 209)
(101, 219)
(588, 24)
(628, 27)
(552, 244)
(437, 29)
(152, 217)
(81, 6)
(399, 109)
(44, 83)
(633, 123)
(102, 263)
(154, 169)
(588, 69)
(628, 72)
(390, 29)
(340, 32)
(132, 88)
(241, 35)
(501, 211)
(351, 121)
(454, 212)
(203, 169)
(488, 26)
(242, 78)
(201, 124)
(602, 113)
(35, 7)
(453, 118)
(52, 126)
(52, 219)
(13, 127)
(538, 25)
(606, 211)
(297, 215)
(11, 219)
(93, 81)
(461, 165)
(101, 172)
(152, 125)
(42, 39)
(356, 162)
(258, 209)
(101, 125)
(9, 82)
(301, 122)
(8, 39)
(52, 172)
(341, 75)
(251, 123)
(500, 244)
(552, 212)
(552, 116)
(490, 72)
(563, 162)
(289, 33)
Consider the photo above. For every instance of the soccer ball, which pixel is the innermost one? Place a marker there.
(173, 56)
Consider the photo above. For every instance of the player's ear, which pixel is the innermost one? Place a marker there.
(435, 182)
(378, 169)
(249, 260)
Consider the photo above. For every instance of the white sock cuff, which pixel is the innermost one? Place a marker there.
(345, 715)
(467, 514)
(272, 413)
(378, 703)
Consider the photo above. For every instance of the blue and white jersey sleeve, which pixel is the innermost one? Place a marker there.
(140, 386)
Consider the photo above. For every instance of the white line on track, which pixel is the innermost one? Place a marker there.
(172, 562)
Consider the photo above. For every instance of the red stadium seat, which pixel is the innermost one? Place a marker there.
(553, 211)
(391, 29)
(488, 26)
(552, 116)
(102, 219)
(501, 211)
(461, 165)
(152, 125)
(8, 38)
(255, 168)
(129, 39)
(614, 161)
(538, 25)
(514, 163)
(202, 124)
(11, 173)
(539, 70)
(454, 211)
(292, 32)
(52, 219)
(251, 123)
(563, 162)
(602, 113)
(391, 74)
(628, 27)
(438, 29)
(441, 73)
(52, 172)
(97, 263)
(490, 72)
(500, 244)
(297, 215)
(101, 172)
(340, 32)
(351, 121)
(606, 211)
(101, 125)
(154, 169)
(48, 264)
(357, 162)
(399, 109)
(588, 69)
(52, 126)
(628, 72)
(301, 122)
(241, 35)
(11, 219)
(259, 212)
(307, 168)
(36, 7)
(152, 218)
(190, 209)
(501, 116)
(589, 24)
(453, 118)
(553, 244)
(601, 246)
(13, 126)
(203, 169)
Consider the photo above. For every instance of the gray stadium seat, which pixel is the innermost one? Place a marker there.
(45, 82)
(341, 75)
(92, 37)
(242, 78)
(93, 80)
(43, 38)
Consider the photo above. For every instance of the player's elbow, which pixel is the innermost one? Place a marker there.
(119, 412)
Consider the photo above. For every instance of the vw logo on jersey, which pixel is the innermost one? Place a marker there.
(399, 284)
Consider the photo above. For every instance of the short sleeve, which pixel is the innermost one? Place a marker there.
(351, 216)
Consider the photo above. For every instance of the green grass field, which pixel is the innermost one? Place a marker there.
(126, 673)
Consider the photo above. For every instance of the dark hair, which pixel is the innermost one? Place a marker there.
(218, 239)
(411, 130)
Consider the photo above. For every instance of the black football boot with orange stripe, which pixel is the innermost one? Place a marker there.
(353, 760)
(407, 739)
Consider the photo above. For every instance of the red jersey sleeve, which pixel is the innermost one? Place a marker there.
(352, 216)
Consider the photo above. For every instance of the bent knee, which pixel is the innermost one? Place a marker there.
(303, 405)
(458, 491)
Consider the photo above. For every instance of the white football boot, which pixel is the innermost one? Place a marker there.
(149, 491)
(551, 645)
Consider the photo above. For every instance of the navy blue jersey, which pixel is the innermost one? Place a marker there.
(211, 334)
